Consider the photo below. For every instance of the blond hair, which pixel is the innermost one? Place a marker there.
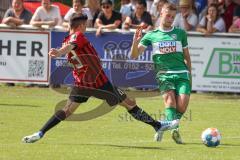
(169, 6)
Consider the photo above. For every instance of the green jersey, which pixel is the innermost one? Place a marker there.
(167, 49)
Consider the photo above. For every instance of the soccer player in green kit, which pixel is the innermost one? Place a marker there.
(172, 65)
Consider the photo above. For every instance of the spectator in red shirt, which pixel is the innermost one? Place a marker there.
(229, 7)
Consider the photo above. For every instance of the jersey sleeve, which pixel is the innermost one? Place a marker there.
(78, 40)
(184, 39)
(145, 41)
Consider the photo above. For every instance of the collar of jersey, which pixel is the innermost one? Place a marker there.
(166, 30)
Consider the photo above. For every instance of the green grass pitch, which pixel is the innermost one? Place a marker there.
(114, 136)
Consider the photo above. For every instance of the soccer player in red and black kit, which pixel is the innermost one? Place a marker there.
(90, 80)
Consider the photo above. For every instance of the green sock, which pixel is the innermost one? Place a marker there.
(170, 113)
(179, 115)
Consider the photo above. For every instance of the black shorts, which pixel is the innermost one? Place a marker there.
(112, 94)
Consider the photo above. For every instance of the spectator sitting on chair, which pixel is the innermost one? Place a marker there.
(17, 15)
(140, 18)
(78, 8)
(46, 14)
(108, 18)
(212, 22)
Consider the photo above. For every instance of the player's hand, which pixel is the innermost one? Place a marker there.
(53, 53)
(137, 35)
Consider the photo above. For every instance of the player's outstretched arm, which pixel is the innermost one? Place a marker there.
(62, 51)
(136, 50)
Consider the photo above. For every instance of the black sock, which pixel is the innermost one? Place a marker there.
(53, 121)
(141, 115)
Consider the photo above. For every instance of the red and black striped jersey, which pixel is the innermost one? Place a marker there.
(88, 71)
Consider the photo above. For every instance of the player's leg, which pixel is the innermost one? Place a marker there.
(169, 99)
(60, 115)
(167, 90)
(134, 110)
(182, 103)
(72, 104)
(56, 118)
(183, 90)
(139, 114)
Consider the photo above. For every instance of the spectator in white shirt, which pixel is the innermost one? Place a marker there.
(156, 10)
(186, 19)
(212, 22)
(78, 8)
(46, 14)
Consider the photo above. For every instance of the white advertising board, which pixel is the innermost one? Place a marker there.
(215, 63)
(24, 56)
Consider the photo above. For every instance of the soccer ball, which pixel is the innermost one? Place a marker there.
(211, 137)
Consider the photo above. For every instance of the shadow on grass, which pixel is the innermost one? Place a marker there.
(230, 145)
(225, 96)
(221, 144)
(18, 105)
(121, 146)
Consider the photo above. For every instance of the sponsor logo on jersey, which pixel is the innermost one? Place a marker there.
(73, 37)
(174, 36)
(168, 46)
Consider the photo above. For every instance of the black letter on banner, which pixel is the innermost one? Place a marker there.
(36, 47)
(8, 47)
(19, 47)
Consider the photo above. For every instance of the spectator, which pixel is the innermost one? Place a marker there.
(78, 8)
(204, 11)
(46, 14)
(140, 18)
(133, 3)
(237, 2)
(108, 18)
(126, 8)
(235, 27)
(94, 7)
(156, 10)
(236, 13)
(149, 5)
(229, 7)
(212, 22)
(17, 15)
(186, 19)
(176, 2)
